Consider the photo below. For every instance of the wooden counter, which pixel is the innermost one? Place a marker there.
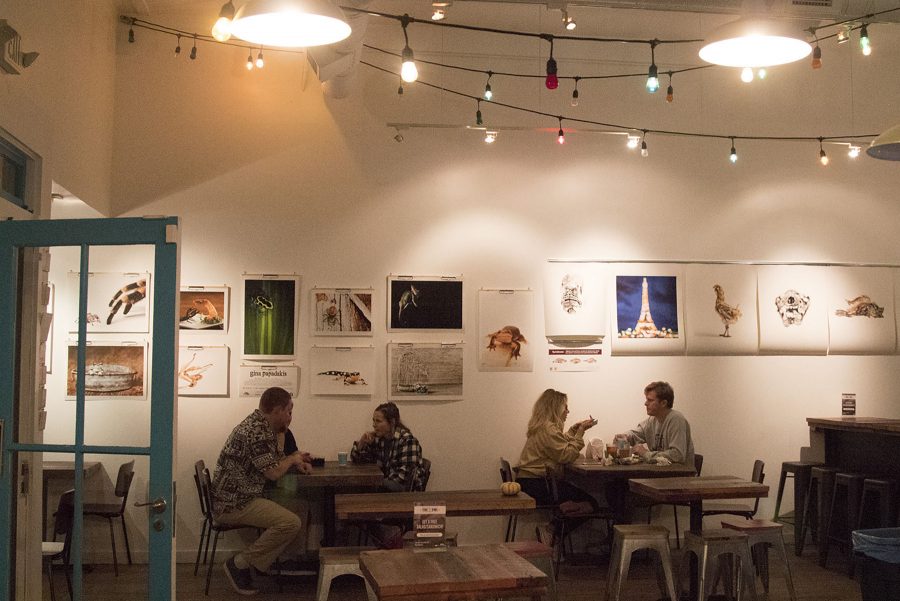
(864, 444)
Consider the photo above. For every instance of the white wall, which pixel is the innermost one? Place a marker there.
(267, 176)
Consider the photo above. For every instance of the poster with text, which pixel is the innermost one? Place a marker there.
(793, 303)
(580, 358)
(342, 370)
(506, 330)
(342, 311)
(116, 302)
(425, 303)
(112, 370)
(648, 310)
(203, 308)
(720, 310)
(425, 372)
(255, 379)
(861, 310)
(270, 316)
(203, 371)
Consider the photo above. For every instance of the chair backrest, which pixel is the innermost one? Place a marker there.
(64, 519)
(123, 482)
(758, 476)
(506, 473)
(201, 479)
(426, 474)
(698, 463)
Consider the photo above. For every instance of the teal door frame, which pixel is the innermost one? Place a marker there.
(162, 233)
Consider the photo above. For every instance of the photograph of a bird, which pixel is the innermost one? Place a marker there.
(727, 313)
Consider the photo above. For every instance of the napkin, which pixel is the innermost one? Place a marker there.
(596, 449)
(663, 461)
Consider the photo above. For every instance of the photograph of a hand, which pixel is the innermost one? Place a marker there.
(127, 295)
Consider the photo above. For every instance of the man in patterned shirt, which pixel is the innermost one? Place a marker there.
(249, 458)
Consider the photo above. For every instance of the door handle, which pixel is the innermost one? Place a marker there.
(156, 506)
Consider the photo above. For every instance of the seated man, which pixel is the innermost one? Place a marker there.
(249, 458)
(665, 436)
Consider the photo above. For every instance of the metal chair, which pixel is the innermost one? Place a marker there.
(52, 551)
(506, 475)
(745, 511)
(110, 511)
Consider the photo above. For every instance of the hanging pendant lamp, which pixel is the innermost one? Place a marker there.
(886, 146)
(754, 42)
(289, 23)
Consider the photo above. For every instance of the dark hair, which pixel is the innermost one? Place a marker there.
(663, 392)
(273, 398)
(391, 413)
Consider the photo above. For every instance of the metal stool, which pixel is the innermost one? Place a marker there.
(818, 500)
(883, 491)
(712, 543)
(626, 540)
(800, 471)
(764, 532)
(845, 498)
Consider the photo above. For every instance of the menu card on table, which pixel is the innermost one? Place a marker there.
(429, 520)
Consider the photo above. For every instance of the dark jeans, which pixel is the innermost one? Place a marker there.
(538, 489)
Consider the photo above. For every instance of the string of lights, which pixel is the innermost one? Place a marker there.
(409, 74)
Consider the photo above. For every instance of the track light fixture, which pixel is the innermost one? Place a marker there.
(568, 21)
(439, 12)
(490, 137)
(633, 141)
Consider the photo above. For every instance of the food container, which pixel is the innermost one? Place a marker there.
(107, 377)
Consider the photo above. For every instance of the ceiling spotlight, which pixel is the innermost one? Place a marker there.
(746, 75)
(754, 42)
(490, 137)
(568, 22)
(438, 14)
(398, 137)
(853, 151)
(843, 36)
(289, 23)
(633, 141)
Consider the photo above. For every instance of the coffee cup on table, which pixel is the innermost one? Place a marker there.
(342, 458)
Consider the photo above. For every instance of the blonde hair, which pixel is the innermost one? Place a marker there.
(549, 410)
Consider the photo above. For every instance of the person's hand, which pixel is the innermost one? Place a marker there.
(306, 456)
(586, 424)
(640, 449)
(127, 295)
(304, 468)
(366, 439)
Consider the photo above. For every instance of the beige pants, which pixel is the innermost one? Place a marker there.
(282, 529)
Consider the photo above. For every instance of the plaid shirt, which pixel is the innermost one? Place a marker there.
(399, 457)
(250, 450)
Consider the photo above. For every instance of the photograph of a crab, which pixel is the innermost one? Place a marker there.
(203, 308)
(202, 371)
(342, 370)
(649, 309)
(425, 303)
(506, 330)
(720, 310)
(270, 316)
(861, 310)
(341, 311)
(116, 302)
(112, 370)
(425, 372)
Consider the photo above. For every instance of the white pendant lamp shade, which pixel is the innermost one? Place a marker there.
(886, 146)
(290, 23)
(754, 42)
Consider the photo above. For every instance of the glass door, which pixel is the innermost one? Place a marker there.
(112, 401)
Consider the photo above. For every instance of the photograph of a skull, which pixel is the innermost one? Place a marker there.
(342, 311)
(116, 302)
(270, 316)
(423, 303)
(792, 308)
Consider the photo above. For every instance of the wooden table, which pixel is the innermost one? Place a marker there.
(866, 445)
(459, 503)
(331, 477)
(589, 472)
(62, 470)
(694, 490)
(451, 574)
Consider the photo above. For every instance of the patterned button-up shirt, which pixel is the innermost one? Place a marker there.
(399, 457)
(250, 450)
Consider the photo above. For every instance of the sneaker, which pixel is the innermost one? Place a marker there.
(293, 567)
(241, 580)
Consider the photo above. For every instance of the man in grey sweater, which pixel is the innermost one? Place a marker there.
(665, 436)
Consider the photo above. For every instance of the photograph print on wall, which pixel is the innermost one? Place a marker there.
(425, 303)
(342, 311)
(792, 309)
(575, 301)
(203, 308)
(505, 324)
(720, 310)
(648, 310)
(116, 302)
(270, 316)
(112, 370)
(425, 372)
(203, 371)
(342, 371)
(861, 310)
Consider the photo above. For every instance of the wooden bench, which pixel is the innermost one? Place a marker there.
(337, 561)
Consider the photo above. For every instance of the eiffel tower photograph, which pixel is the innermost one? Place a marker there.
(646, 307)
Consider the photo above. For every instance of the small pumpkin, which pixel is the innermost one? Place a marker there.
(510, 488)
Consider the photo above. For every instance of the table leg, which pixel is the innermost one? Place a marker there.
(696, 526)
(328, 517)
(801, 484)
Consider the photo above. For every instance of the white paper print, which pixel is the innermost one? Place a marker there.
(720, 310)
(792, 304)
(506, 330)
(342, 371)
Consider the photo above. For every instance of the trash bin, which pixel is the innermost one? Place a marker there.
(877, 555)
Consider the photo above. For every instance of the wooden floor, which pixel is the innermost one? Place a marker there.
(576, 583)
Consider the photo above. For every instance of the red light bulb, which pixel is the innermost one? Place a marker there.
(551, 82)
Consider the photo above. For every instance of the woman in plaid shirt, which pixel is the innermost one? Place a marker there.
(392, 446)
